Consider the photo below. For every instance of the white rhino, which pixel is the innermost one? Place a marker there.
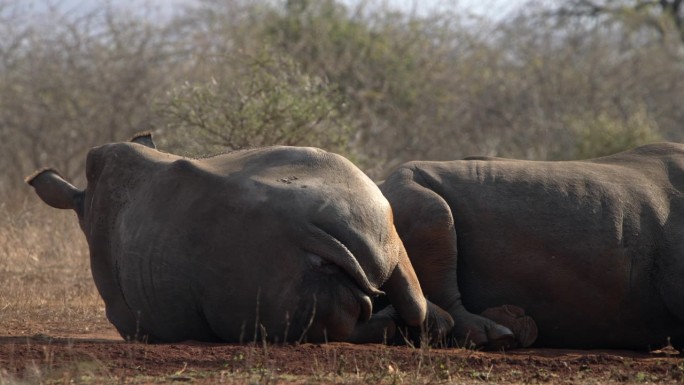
(592, 250)
(279, 243)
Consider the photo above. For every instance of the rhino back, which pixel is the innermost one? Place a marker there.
(583, 238)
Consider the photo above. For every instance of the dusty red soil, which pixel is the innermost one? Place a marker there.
(105, 357)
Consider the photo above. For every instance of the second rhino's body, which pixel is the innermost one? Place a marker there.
(592, 250)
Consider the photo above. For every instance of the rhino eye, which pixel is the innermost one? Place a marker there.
(321, 264)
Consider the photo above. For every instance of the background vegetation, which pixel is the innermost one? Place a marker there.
(552, 80)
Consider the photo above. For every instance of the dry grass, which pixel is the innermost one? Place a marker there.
(47, 292)
(47, 287)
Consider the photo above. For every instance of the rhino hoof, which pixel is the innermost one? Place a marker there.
(500, 337)
(513, 317)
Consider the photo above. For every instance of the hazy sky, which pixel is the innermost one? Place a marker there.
(478, 7)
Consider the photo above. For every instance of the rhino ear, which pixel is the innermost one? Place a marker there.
(144, 138)
(55, 191)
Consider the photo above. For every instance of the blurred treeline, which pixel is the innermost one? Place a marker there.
(378, 85)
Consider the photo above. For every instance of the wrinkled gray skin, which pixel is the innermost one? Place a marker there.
(279, 243)
(592, 250)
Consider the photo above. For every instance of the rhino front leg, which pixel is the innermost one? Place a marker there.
(409, 315)
(388, 327)
(426, 226)
(380, 328)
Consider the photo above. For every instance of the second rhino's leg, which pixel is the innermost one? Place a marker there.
(426, 226)
(513, 317)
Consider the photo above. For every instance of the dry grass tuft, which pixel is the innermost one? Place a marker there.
(45, 274)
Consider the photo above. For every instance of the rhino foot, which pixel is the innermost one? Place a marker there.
(513, 317)
(476, 332)
(434, 331)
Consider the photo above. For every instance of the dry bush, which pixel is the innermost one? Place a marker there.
(443, 86)
(253, 101)
(45, 273)
(407, 86)
(77, 81)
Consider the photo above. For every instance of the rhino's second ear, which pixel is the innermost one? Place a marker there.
(144, 138)
(55, 191)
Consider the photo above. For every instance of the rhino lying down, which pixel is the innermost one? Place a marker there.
(592, 250)
(278, 243)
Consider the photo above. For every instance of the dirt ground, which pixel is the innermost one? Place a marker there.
(100, 356)
(53, 331)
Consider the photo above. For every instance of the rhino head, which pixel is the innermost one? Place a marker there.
(279, 243)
